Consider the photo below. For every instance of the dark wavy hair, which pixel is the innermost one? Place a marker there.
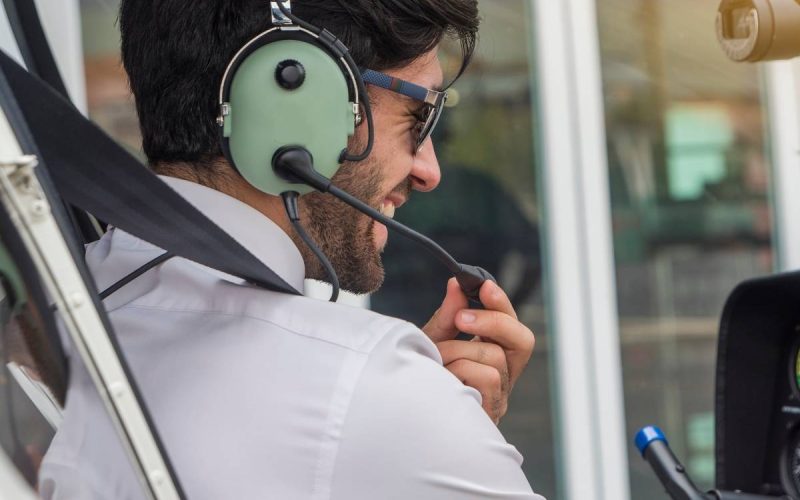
(175, 52)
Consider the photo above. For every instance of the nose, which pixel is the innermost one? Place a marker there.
(425, 173)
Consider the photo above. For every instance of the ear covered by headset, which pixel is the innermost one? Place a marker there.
(289, 86)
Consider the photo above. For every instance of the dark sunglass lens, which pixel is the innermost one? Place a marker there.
(430, 123)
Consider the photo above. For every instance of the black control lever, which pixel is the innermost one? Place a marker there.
(738, 495)
(654, 448)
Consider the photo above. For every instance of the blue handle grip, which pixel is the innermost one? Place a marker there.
(647, 435)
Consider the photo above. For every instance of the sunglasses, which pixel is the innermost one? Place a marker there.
(433, 99)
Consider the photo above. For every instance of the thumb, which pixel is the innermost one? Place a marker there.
(442, 326)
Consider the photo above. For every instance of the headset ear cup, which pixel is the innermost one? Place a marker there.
(285, 92)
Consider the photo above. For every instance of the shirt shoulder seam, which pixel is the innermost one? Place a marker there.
(363, 350)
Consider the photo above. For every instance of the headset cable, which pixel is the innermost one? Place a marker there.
(290, 203)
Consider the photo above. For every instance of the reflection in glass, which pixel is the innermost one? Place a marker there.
(25, 433)
(111, 105)
(689, 185)
(485, 212)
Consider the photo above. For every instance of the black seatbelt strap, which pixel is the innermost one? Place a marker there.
(32, 42)
(94, 173)
(35, 50)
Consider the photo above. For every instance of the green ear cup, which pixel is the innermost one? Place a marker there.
(264, 116)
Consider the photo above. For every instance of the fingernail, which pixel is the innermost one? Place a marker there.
(467, 317)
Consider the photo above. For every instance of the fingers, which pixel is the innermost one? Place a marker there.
(486, 380)
(498, 324)
(493, 297)
(516, 339)
(484, 353)
(442, 325)
(497, 327)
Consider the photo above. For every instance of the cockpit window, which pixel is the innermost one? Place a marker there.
(29, 410)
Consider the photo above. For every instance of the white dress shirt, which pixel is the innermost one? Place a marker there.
(258, 394)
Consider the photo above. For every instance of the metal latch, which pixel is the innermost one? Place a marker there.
(357, 113)
(278, 17)
(21, 176)
(224, 111)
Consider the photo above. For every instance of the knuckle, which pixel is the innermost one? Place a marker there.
(530, 340)
(495, 355)
(459, 369)
(458, 365)
(495, 380)
(496, 321)
(482, 353)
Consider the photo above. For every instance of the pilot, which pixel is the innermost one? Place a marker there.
(259, 394)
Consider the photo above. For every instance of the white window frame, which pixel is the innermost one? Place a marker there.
(782, 80)
(590, 414)
(61, 20)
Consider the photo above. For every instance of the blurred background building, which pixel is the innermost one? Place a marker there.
(618, 175)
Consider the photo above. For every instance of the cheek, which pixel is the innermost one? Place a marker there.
(391, 151)
(392, 156)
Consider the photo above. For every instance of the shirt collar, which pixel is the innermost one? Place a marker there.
(252, 229)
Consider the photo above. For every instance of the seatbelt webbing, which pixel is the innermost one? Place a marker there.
(35, 50)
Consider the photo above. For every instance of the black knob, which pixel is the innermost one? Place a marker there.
(290, 74)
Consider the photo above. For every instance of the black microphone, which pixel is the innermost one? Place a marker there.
(295, 164)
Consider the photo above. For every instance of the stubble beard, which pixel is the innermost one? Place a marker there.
(345, 235)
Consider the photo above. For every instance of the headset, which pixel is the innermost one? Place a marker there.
(288, 102)
(305, 76)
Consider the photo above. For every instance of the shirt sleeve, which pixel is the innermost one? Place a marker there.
(413, 430)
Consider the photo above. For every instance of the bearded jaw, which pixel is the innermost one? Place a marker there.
(345, 236)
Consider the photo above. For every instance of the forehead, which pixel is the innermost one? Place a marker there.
(425, 71)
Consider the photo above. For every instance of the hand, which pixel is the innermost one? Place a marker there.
(493, 360)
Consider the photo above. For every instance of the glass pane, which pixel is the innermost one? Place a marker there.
(32, 374)
(39, 417)
(24, 432)
(486, 212)
(689, 181)
(111, 105)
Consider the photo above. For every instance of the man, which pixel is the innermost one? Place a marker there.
(258, 394)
